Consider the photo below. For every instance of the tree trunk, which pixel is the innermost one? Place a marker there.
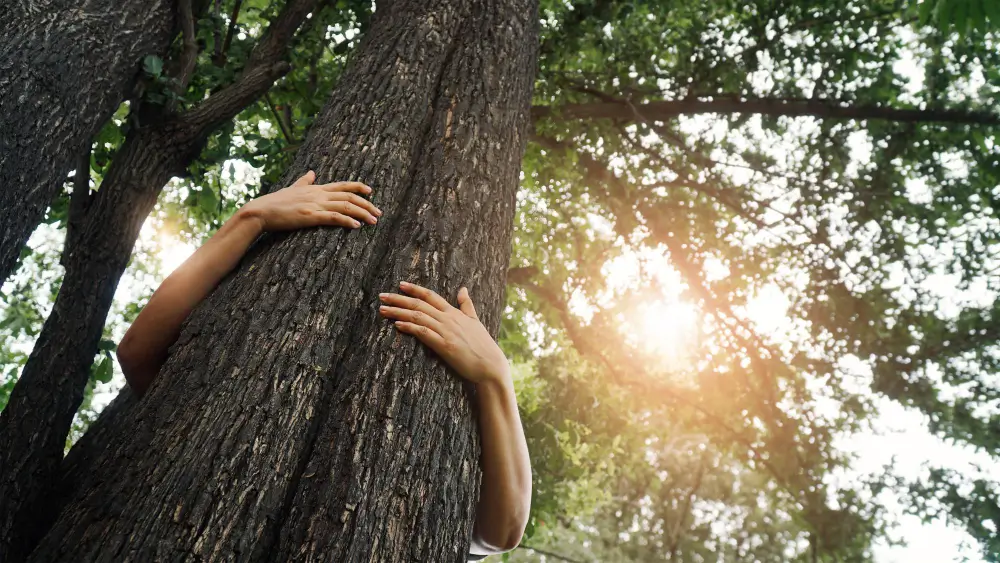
(291, 422)
(40, 410)
(64, 69)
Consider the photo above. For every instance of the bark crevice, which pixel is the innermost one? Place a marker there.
(427, 130)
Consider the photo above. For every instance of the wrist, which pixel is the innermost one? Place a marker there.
(497, 377)
(249, 216)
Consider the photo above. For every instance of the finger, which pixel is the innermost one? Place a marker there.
(356, 200)
(465, 303)
(404, 302)
(335, 219)
(410, 316)
(351, 210)
(356, 187)
(431, 339)
(427, 295)
(307, 179)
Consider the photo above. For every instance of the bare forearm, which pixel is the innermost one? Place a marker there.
(505, 494)
(144, 348)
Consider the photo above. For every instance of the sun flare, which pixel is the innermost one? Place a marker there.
(172, 252)
(666, 330)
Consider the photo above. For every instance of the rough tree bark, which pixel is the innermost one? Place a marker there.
(64, 68)
(40, 410)
(291, 422)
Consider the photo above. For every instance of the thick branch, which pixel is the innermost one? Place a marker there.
(274, 44)
(669, 109)
(231, 100)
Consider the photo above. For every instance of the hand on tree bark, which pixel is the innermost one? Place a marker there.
(453, 333)
(304, 204)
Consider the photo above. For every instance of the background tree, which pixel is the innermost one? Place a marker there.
(830, 164)
(64, 68)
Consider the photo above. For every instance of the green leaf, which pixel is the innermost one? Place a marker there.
(105, 369)
(977, 17)
(107, 345)
(960, 14)
(926, 11)
(207, 200)
(153, 65)
(942, 14)
(992, 10)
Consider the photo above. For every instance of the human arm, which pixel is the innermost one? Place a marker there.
(462, 341)
(143, 349)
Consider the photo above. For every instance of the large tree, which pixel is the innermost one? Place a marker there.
(64, 68)
(290, 422)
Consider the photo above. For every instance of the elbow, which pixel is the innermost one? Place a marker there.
(506, 535)
(129, 360)
(514, 530)
(512, 538)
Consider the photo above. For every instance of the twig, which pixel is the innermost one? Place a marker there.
(79, 202)
(277, 117)
(222, 55)
(217, 31)
(189, 54)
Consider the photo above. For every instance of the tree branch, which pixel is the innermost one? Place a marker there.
(221, 54)
(265, 65)
(217, 32)
(231, 100)
(281, 124)
(669, 109)
(189, 54)
(79, 202)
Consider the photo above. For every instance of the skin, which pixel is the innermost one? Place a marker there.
(454, 333)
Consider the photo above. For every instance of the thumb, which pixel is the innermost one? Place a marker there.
(307, 179)
(465, 303)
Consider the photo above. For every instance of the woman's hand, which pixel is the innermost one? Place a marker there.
(462, 341)
(304, 204)
(454, 333)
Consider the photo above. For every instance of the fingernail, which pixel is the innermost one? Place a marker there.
(374, 220)
(404, 284)
(382, 308)
(357, 224)
(378, 212)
